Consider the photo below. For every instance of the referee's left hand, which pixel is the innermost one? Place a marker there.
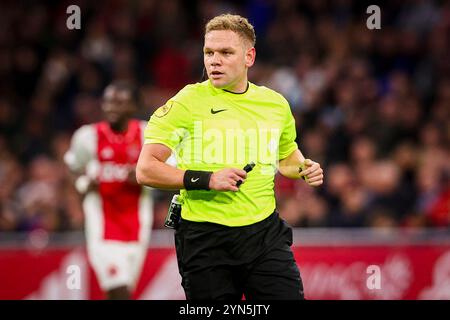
(313, 173)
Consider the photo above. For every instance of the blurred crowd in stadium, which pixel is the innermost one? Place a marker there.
(372, 106)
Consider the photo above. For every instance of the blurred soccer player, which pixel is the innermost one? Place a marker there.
(118, 212)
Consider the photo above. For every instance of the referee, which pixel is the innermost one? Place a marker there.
(230, 241)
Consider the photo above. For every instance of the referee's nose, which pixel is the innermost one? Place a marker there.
(215, 60)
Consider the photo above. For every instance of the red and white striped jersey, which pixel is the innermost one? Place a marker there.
(120, 209)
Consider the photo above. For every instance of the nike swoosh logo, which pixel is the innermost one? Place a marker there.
(194, 180)
(217, 111)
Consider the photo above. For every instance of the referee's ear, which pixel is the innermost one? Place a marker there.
(250, 57)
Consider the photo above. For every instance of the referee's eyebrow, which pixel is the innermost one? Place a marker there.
(219, 49)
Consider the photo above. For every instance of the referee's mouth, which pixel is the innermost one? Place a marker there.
(216, 74)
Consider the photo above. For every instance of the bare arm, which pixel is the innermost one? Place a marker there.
(289, 166)
(151, 169)
(312, 173)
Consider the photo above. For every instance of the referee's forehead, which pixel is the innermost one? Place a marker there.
(220, 39)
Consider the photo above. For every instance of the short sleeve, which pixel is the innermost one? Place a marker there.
(82, 148)
(287, 139)
(168, 125)
(171, 161)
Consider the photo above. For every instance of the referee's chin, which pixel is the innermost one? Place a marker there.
(219, 84)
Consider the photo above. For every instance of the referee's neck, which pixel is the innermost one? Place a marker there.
(238, 91)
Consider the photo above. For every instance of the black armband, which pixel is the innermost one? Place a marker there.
(196, 180)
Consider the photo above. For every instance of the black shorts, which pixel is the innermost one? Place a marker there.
(217, 262)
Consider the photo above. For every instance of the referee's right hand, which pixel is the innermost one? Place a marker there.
(226, 179)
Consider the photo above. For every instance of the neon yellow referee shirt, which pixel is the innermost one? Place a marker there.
(210, 129)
